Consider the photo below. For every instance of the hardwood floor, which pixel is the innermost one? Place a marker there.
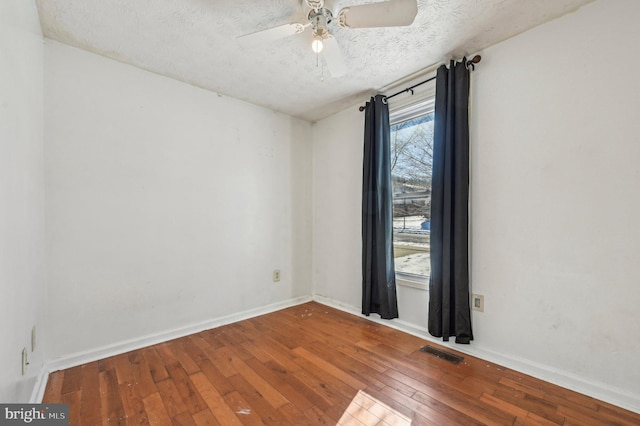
(305, 366)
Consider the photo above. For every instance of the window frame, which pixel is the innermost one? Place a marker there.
(423, 106)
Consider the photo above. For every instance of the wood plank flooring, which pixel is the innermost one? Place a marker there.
(306, 365)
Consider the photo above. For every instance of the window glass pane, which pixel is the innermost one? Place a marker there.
(411, 161)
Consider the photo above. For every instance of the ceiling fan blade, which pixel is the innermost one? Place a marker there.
(272, 34)
(333, 57)
(393, 13)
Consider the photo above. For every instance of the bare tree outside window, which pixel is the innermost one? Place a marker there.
(411, 163)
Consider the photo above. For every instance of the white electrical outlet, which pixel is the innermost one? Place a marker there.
(25, 361)
(477, 302)
(276, 275)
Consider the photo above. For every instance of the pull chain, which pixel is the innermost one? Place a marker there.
(321, 65)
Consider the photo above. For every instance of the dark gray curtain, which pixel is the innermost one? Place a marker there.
(378, 270)
(449, 311)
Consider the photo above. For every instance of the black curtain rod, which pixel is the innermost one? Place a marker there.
(470, 63)
(409, 89)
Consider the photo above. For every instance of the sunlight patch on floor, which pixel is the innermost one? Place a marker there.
(367, 410)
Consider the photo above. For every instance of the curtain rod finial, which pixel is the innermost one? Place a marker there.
(361, 108)
(472, 62)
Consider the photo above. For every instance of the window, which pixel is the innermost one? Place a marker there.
(411, 161)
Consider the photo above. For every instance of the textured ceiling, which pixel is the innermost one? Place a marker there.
(195, 41)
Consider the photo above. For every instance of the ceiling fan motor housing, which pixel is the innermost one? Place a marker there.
(319, 20)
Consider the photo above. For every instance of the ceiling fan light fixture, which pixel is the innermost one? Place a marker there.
(317, 45)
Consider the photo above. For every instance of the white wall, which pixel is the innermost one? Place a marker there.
(167, 205)
(555, 174)
(337, 186)
(555, 199)
(22, 284)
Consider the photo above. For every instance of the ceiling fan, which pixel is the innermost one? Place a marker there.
(390, 13)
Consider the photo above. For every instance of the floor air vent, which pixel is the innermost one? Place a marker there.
(449, 357)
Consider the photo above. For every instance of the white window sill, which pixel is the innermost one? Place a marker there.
(413, 281)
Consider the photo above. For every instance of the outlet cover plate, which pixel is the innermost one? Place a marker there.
(25, 361)
(477, 302)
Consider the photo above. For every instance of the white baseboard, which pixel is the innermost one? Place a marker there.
(597, 390)
(84, 357)
(40, 386)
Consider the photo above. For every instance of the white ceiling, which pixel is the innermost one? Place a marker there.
(195, 41)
